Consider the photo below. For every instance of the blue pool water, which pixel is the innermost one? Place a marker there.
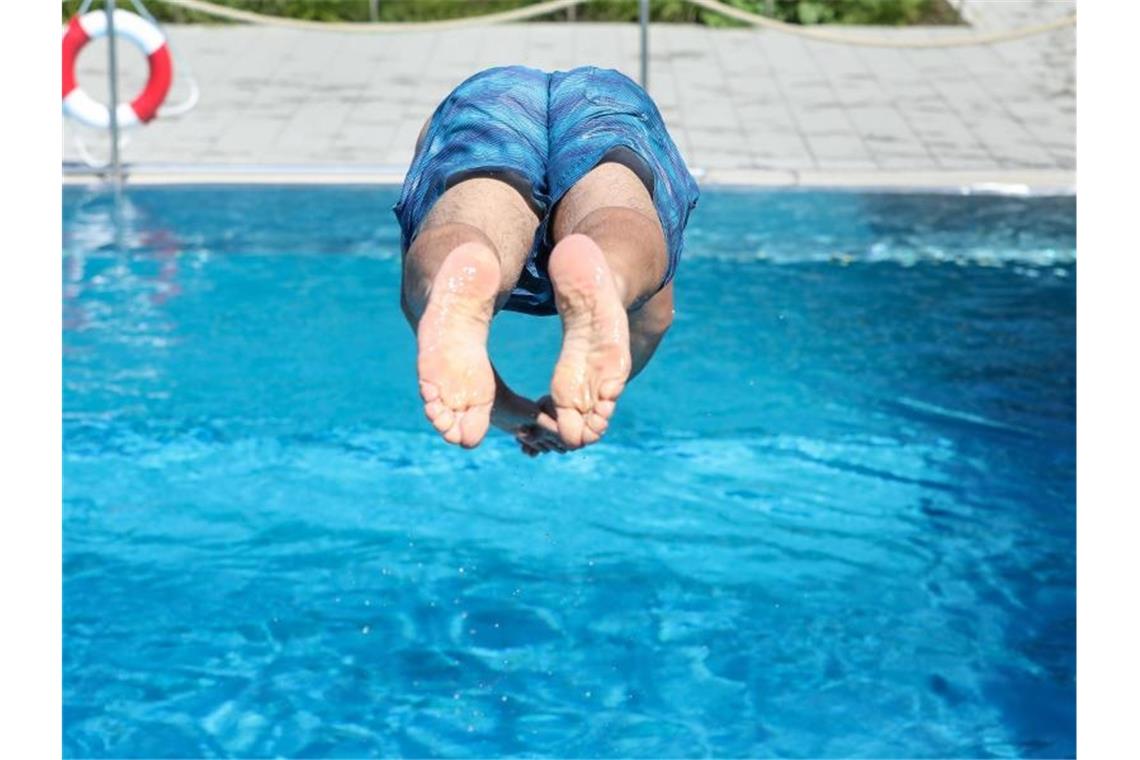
(834, 518)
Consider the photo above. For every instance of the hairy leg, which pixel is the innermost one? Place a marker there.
(607, 264)
(461, 267)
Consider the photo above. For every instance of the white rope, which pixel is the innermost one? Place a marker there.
(550, 6)
(824, 35)
(367, 27)
(88, 158)
(185, 73)
(191, 100)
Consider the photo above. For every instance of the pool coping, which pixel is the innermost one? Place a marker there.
(987, 181)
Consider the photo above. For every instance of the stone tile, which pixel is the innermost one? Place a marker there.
(830, 148)
(732, 98)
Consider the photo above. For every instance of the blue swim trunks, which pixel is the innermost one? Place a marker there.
(542, 133)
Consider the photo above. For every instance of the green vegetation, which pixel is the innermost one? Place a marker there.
(879, 12)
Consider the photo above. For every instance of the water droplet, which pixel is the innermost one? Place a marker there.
(366, 630)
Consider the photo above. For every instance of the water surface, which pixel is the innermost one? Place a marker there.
(833, 518)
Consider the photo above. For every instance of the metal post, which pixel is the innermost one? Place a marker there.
(113, 81)
(643, 19)
(374, 10)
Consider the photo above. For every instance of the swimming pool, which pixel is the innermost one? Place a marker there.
(834, 517)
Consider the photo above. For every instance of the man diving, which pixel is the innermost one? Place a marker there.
(544, 193)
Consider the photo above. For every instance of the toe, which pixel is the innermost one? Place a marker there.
(609, 390)
(433, 409)
(442, 420)
(454, 432)
(429, 391)
(570, 426)
(474, 425)
(597, 423)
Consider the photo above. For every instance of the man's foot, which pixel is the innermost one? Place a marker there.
(456, 380)
(595, 361)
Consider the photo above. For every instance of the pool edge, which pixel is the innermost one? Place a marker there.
(991, 181)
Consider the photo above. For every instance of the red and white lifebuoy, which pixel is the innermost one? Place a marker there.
(147, 37)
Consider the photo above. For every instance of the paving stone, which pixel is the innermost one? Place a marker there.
(732, 98)
(832, 148)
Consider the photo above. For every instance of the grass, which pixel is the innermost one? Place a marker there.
(874, 12)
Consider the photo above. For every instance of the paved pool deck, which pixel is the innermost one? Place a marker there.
(744, 106)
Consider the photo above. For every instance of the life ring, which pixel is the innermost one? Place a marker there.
(147, 37)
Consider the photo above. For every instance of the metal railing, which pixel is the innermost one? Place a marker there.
(643, 21)
(113, 83)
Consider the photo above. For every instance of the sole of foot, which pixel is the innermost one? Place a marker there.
(595, 362)
(457, 383)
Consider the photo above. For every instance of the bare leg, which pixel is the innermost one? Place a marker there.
(460, 269)
(609, 256)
